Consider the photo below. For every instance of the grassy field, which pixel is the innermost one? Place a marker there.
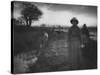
(55, 51)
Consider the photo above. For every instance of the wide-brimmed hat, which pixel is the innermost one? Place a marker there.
(74, 20)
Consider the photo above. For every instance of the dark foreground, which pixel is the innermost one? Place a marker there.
(53, 53)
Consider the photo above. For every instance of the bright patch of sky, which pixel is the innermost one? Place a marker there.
(60, 14)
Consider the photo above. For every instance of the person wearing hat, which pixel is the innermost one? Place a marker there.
(74, 38)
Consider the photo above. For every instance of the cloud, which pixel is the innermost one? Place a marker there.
(60, 14)
(63, 18)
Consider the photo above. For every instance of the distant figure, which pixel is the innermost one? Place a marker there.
(89, 51)
(44, 39)
(84, 34)
(44, 42)
(74, 37)
(46, 36)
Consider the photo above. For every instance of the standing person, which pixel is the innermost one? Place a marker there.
(85, 34)
(74, 37)
(43, 43)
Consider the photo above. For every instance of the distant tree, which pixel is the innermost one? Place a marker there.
(21, 20)
(43, 25)
(30, 13)
(15, 21)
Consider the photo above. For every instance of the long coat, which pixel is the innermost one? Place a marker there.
(74, 37)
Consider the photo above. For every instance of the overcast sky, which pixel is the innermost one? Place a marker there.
(60, 14)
